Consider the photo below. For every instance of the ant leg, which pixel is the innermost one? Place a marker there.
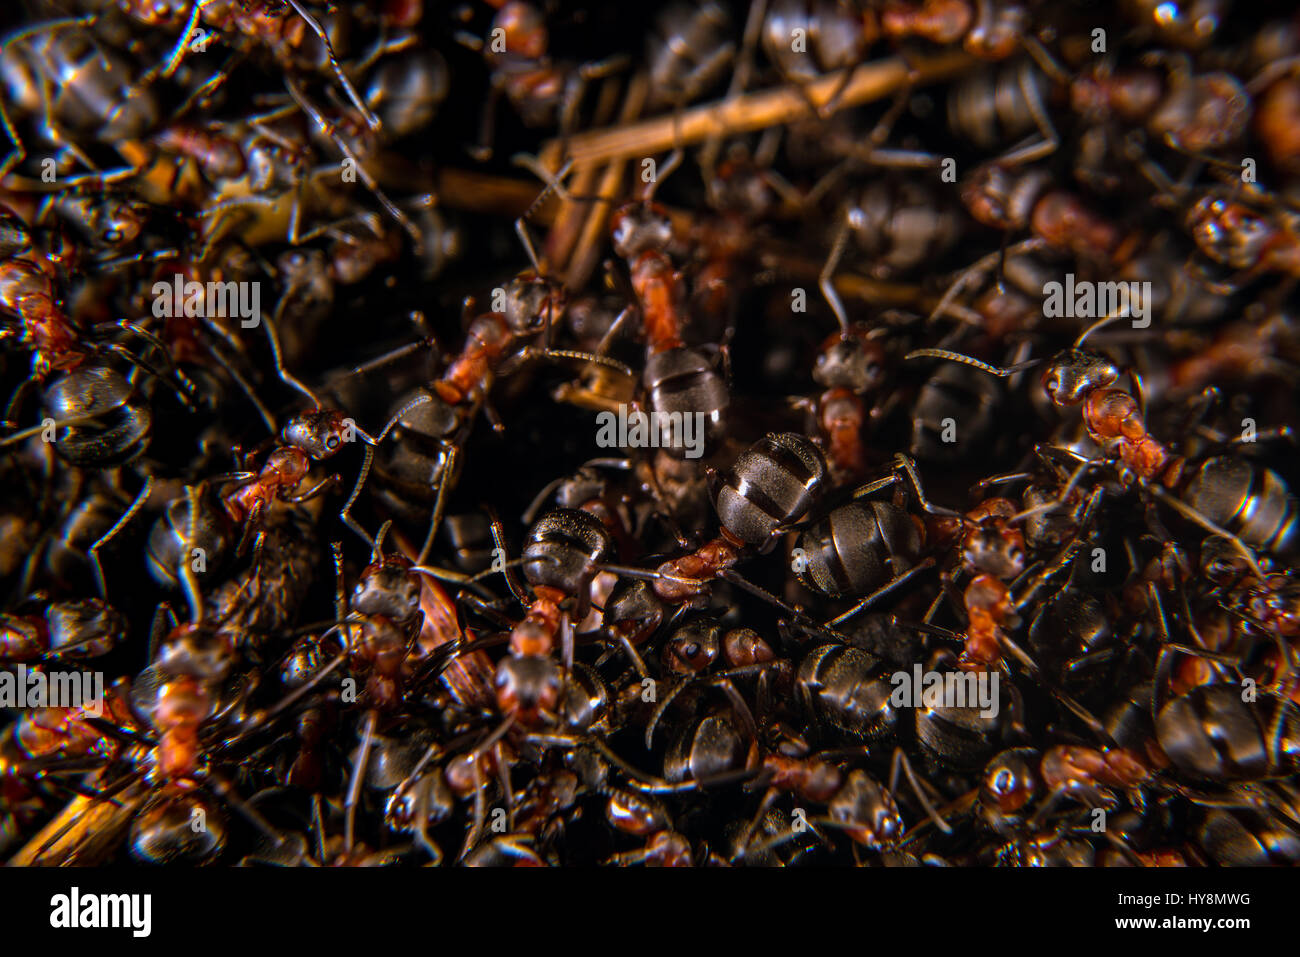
(268, 322)
(734, 577)
(345, 514)
(499, 548)
(873, 487)
(665, 702)
(576, 89)
(480, 785)
(19, 152)
(633, 656)
(158, 628)
(226, 792)
(566, 643)
(317, 490)
(885, 125)
(448, 472)
(148, 337)
(908, 468)
(1058, 563)
(179, 386)
(120, 524)
(1073, 706)
(186, 573)
(318, 826)
(900, 763)
(503, 781)
(853, 220)
(173, 61)
(1088, 795)
(487, 126)
(976, 270)
(228, 363)
(747, 836)
(1050, 139)
(554, 184)
(1006, 478)
(330, 130)
(1192, 514)
(897, 582)
(811, 824)
(262, 718)
(342, 610)
(638, 780)
(358, 776)
(615, 327)
(741, 72)
(388, 357)
(737, 703)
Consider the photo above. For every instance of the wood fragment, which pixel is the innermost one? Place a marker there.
(752, 111)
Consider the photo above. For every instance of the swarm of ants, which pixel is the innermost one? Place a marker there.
(973, 324)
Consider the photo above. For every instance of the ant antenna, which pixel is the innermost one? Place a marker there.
(372, 121)
(971, 361)
(192, 593)
(553, 184)
(1104, 321)
(670, 165)
(368, 461)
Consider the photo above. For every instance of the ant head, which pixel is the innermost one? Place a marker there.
(1221, 562)
(997, 550)
(997, 32)
(524, 28)
(531, 301)
(196, 651)
(1130, 94)
(1276, 603)
(1229, 232)
(164, 832)
(387, 588)
(693, 647)
(320, 433)
(999, 198)
(528, 689)
(1010, 780)
(15, 237)
(1073, 374)
(851, 361)
(641, 227)
(867, 811)
(744, 646)
(118, 222)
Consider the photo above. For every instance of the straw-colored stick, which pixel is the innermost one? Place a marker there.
(753, 111)
(83, 833)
